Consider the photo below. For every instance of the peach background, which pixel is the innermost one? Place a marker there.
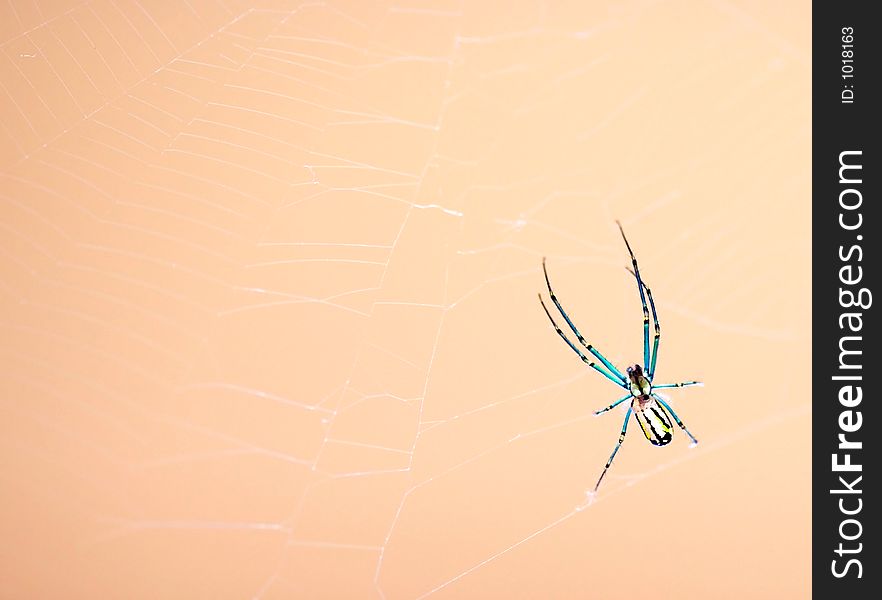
(269, 316)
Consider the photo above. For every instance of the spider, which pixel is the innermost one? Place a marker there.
(648, 407)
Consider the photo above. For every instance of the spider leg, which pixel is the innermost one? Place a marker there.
(676, 385)
(640, 285)
(611, 406)
(616, 449)
(581, 339)
(651, 369)
(676, 418)
(584, 358)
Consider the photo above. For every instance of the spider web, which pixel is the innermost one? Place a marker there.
(269, 287)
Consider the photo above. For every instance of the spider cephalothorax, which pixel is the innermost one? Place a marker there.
(648, 407)
(641, 387)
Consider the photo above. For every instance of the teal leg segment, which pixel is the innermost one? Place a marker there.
(662, 386)
(646, 362)
(616, 449)
(612, 406)
(651, 369)
(657, 335)
(584, 358)
(581, 339)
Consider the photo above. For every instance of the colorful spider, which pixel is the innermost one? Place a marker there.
(648, 407)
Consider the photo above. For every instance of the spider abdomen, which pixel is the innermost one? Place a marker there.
(654, 421)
